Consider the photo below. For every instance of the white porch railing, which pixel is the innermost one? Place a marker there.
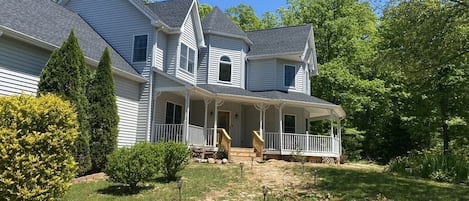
(168, 132)
(308, 144)
(175, 133)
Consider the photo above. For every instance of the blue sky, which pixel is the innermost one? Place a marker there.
(260, 6)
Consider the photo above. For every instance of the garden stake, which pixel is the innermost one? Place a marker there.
(252, 162)
(315, 176)
(265, 190)
(241, 165)
(179, 184)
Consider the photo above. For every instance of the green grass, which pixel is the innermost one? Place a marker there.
(199, 179)
(365, 184)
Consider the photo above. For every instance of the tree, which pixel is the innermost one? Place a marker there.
(269, 20)
(65, 75)
(428, 42)
(204, 10)
(245, 17)
(103, 128)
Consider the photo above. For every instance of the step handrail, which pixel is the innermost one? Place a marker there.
(257, 144)
(224, 141)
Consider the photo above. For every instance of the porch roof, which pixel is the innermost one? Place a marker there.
(293, 98)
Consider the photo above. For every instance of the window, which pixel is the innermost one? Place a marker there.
(140, 48)
(173, 113)
(290, 72)
(289, 125)
(187, 58)
(225, 69)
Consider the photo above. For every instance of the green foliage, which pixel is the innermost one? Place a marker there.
(36, 136)
(432, 165)
(204, 10)
(132, 165)
(104, 116)
(245, 17)
(173, 158)
(67, 75)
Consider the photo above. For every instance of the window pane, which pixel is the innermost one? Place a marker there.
(183, 57)
(178, 114)
(289, 125)
(225, 72)
(225, 59)
(191, 63)
(290, 72)
(169, 113)
(140, 48)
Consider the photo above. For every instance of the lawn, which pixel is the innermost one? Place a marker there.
(286, 181)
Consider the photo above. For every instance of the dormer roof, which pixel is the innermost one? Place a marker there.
(218, 23)
(171, 12)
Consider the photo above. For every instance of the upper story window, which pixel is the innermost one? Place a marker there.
(187, 60)
(225, 69)
(290, 72)
(140, 48)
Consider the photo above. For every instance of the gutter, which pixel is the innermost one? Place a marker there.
(51, 47)
(266, 56)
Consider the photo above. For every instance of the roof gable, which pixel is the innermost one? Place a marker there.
(172, 12)
(218, 23)
(279, 41)
(48, 22)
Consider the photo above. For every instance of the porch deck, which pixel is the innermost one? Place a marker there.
(272, 143)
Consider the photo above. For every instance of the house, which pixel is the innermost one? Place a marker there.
(202, 82)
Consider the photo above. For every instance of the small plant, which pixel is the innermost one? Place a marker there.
(173, 158)
(132, 165)
(36, 136)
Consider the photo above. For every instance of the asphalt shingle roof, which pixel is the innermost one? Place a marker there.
(171, 12)
(281, 40)
(273, 95)
(52, 23)
(217, 21)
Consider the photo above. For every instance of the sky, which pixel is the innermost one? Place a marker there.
(260, 6)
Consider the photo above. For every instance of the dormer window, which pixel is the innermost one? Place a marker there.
(290, 73)
(140, 48)
(225, 69)
(187, 58)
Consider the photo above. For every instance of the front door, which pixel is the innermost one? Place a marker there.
(224, 121)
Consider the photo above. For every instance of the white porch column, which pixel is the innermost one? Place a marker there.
(339, 136)
(332, 131)
(280, 126)
(153, 133)
(186, 116)
(262, 108)
(207, 102)
(218, 103)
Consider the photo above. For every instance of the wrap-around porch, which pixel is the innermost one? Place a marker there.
(202, 118)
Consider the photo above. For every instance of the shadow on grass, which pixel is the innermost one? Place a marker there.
(350, 184)
(164, 180)
(120, 190)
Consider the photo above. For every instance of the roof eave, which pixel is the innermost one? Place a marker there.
(51, 47)
(268, 56)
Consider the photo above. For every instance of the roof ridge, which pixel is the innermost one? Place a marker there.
(284, 27)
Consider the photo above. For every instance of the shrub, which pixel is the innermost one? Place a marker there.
(36, 135)
(433, 165)
(104, 116)
(132, 165)
(173, 158)
(66, 75)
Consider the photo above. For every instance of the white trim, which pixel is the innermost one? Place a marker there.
(187, 59)
(294, 78)
(133, 48)
(200, 37)
(1, 33)
(246, 39)
(267, 56)
(51, 47)
(231, 70)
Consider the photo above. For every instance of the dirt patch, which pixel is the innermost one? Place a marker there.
(90, 178)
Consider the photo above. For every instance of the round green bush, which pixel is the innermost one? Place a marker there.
(173, 158)
(132, 165)
(36, 135)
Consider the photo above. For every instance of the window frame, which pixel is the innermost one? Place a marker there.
(285, 123)
(230, 63)
(187, 58)
(146, 48)
(285, 76)
(173, 118)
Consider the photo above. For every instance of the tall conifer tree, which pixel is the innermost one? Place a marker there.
(66, 75)
(102, 97)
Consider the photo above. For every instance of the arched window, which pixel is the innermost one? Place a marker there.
(225, 69)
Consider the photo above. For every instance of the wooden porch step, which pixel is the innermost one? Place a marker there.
(239, 154)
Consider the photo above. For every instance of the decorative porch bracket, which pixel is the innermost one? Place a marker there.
(262, 108)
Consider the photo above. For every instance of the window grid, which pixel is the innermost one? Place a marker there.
(140, 48)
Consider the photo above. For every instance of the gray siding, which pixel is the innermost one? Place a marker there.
(20, 67)
(117, 22)
(161, 51)
(233, 48)
(188, 37)
(203, 65)
(299, 78)
(172, 54)
(262, 75)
